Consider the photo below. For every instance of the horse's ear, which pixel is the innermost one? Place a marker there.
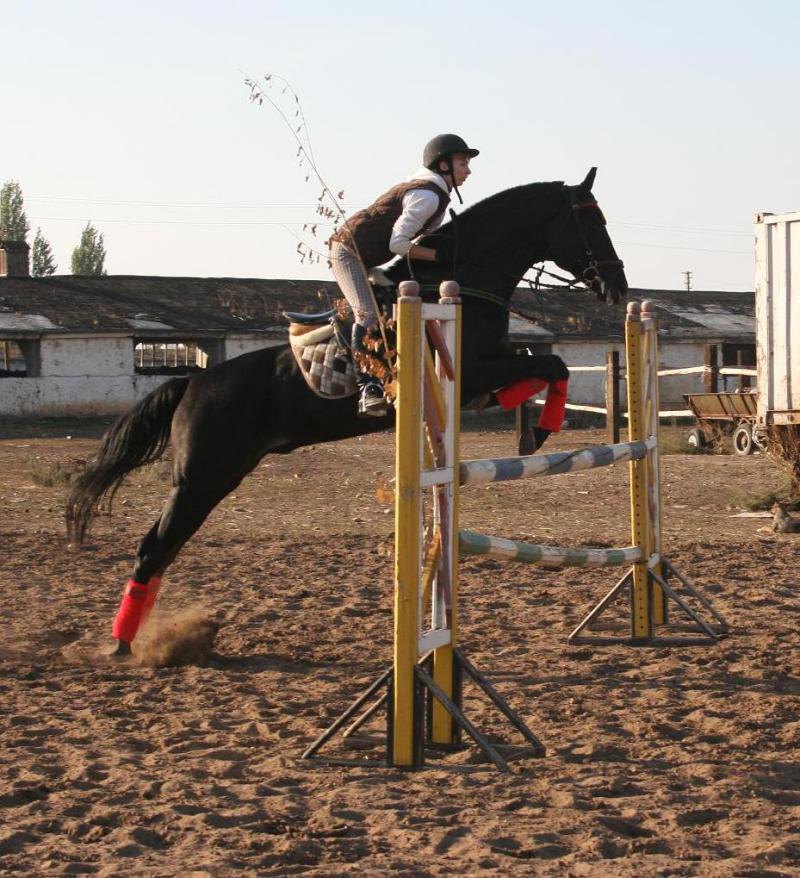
(588, 182)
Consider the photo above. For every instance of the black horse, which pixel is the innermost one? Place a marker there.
(223, 421)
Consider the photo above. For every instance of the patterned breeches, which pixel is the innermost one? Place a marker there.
(352, 280)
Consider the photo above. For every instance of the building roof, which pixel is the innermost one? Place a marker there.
(195, 305)
(150, 304)
(697, 314)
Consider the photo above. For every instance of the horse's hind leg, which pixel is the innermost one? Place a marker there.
(183, 514)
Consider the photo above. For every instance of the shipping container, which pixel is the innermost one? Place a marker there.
(778, 318)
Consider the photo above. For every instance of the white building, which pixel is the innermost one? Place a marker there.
(696, 328)
(75, 346)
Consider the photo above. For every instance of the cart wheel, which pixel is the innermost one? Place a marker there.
(697, 439)
(742, 440)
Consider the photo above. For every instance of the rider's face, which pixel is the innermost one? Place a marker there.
(460, 168)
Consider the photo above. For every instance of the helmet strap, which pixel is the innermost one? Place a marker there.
(449, 161)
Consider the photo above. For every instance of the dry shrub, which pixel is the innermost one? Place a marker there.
(783, 446)
(719, 437)
(759, 501)
(61, 472)
(184, 639)
(157, 471)
(674, 440)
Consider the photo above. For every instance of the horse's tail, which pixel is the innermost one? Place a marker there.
(138, 437)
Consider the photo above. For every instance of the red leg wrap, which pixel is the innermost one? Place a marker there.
(131, 611)
(152, 593)
(515, 394)
(552, 416)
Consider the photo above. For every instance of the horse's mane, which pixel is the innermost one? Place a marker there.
(501, 203)
(496, 233)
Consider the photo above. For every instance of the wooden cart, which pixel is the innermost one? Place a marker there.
(724, 418)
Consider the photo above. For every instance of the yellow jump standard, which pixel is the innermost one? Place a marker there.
(422, 689)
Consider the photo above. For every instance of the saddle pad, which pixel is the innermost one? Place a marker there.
(326, 366)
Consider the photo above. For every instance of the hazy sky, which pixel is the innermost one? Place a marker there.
(135, 116)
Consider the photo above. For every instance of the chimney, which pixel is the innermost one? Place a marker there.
(14, 259)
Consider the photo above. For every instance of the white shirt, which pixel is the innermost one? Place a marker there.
(419, 205)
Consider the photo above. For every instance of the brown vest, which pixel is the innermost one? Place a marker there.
(367, 233)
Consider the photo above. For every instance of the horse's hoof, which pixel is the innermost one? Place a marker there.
(527, 443)
(122, 649)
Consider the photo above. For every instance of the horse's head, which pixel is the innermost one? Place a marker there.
(580, 243)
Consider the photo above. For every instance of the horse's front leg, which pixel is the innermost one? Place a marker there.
(510, 380)
(488, 376)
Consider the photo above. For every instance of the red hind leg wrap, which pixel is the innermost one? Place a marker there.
(552, 416)
(131, 611)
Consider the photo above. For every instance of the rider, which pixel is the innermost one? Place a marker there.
(388, 228)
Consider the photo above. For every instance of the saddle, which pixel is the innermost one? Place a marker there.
(321, 343)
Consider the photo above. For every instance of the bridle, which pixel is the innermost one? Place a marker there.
(591, 275)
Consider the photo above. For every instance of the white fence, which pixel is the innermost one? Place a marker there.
(724, 371)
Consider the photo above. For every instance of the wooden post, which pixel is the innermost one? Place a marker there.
(711, 377)
(443, 729)
(744, 380)
(652, 402)
(640, 594)
(523, 418)
(613, 415)
(523, 412)
(408, 521)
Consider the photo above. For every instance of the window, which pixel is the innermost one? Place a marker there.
(169, 357)
(12, 359)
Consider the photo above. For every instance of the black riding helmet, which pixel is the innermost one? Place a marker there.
(443, 146)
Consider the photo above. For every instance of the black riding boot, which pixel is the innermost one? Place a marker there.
(371, 401)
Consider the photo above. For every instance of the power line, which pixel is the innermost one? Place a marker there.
(180, 204)
(322, 224)
(233, 205)
(686, 229)
(680, 247)
(134, 222)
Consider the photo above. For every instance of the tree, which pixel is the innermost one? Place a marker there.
(89, 257)
(42, 257)
(13, 222)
